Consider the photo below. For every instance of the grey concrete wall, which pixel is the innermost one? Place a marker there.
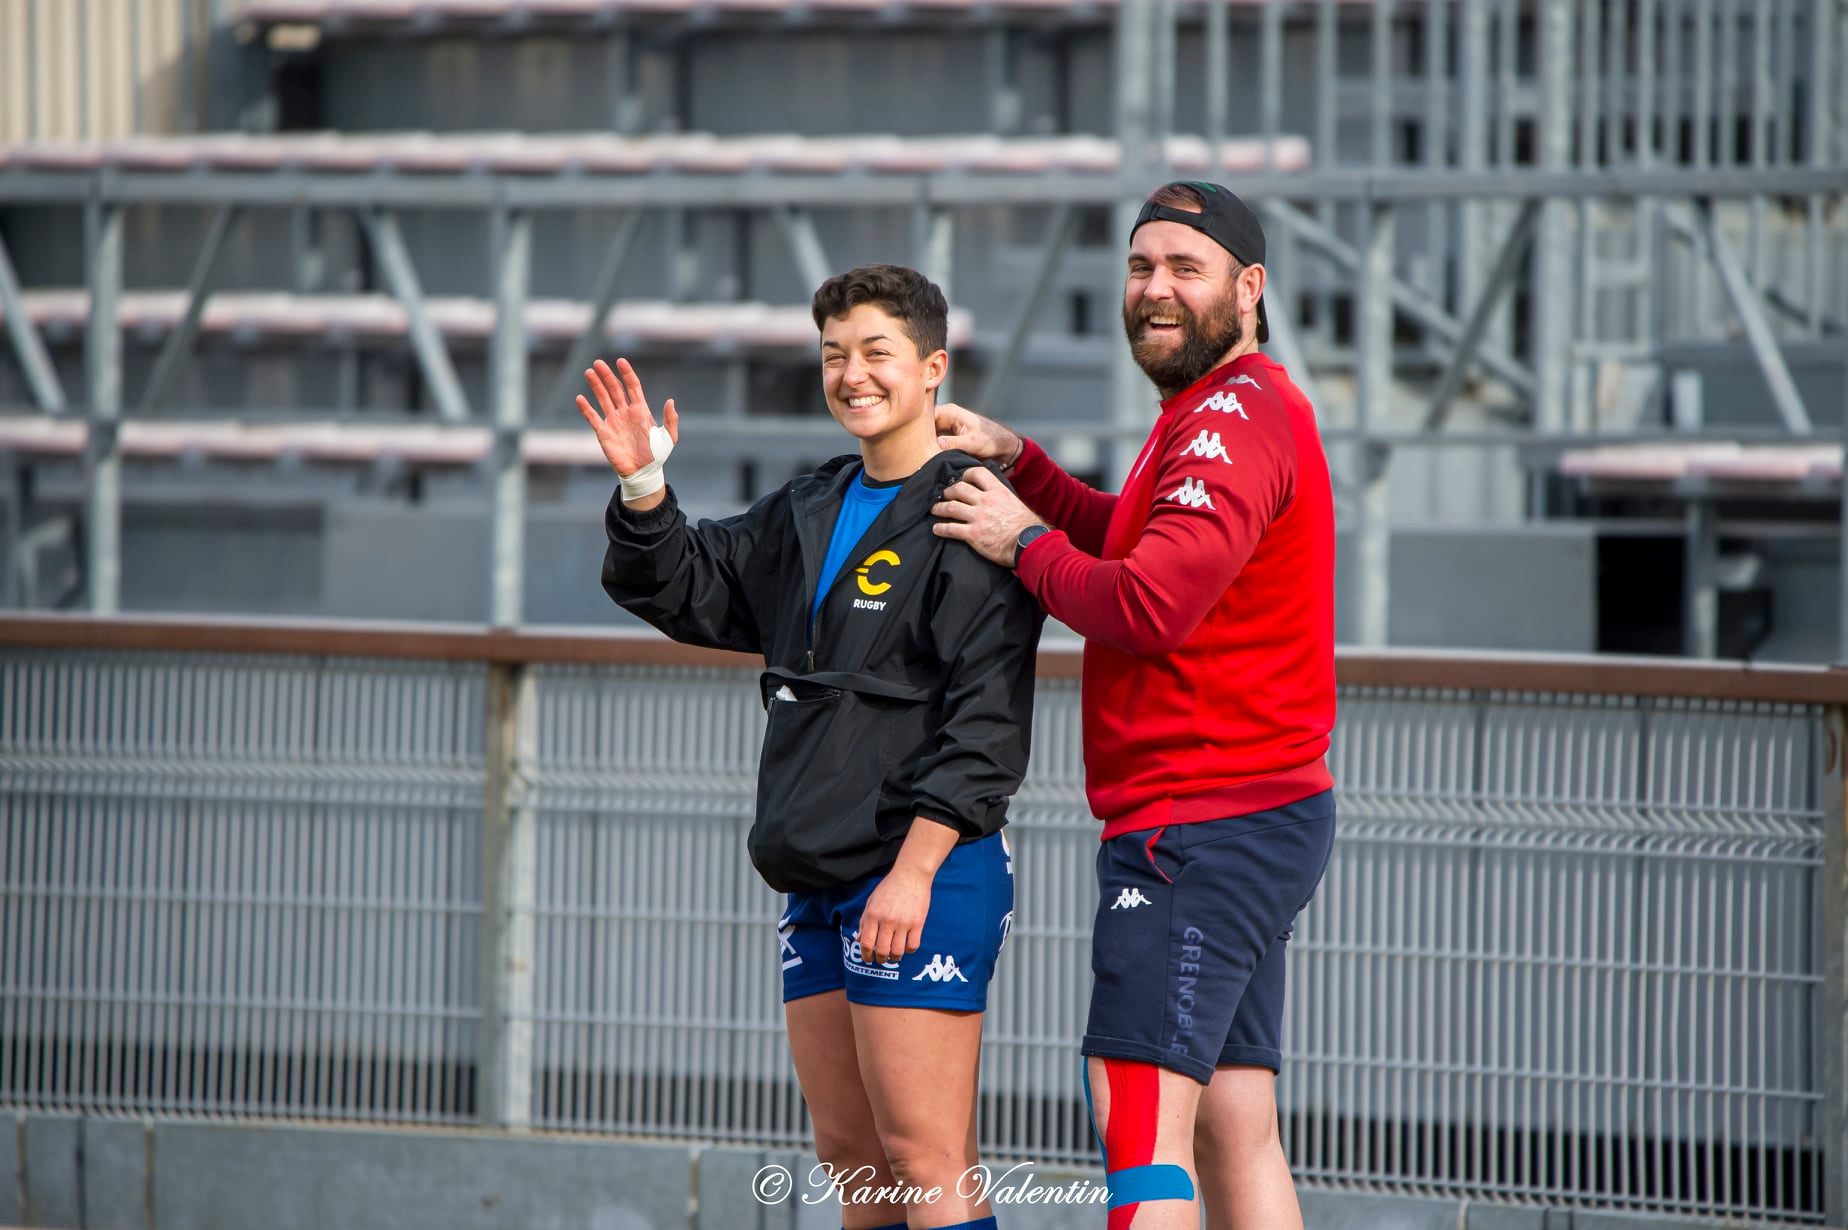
(129, 1174)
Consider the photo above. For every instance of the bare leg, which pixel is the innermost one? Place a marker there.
(1174, 1143)
(919, 1068)
(846, 1140)
(1244, 1177)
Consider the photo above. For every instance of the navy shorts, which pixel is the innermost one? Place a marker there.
(971, 912)
(1188, 948)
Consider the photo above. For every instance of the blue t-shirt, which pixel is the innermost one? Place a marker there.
(863, 501)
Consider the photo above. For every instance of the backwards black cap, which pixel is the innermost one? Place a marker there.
(1225, 219)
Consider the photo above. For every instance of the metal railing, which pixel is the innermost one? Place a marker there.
(1581, 940)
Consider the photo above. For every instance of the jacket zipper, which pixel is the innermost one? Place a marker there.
(814, 622)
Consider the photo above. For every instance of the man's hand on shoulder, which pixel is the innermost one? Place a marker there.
(982, 511)
(962, 429)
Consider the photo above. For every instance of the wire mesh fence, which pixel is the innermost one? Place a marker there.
(1569, 947)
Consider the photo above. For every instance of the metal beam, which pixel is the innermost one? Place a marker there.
(1700, 583)
(28, 347)
(479, 190)
(1408, 299)
(507, 377)
(1553, 271)
(805, 248)
(1000, 378)
(509, 882)
(1372, 406)
(426, 341)
(1285, 337)
(1757, 325)
(934, 260)
(102, 364)
(609, 278)
(1501, 280)
(1270, 80)
(1218, 70)
(198, 290)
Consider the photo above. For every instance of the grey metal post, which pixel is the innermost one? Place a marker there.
(1841, 606)
(102, 367)
(1381, 83)
(1218, 69)
(1438, 215)
(1270, 79)
(1135, 118)
(939, 252)
(1700, 588)
(1372, 406)
(1822, 104)
(1472, 143)
(509, 871)
(1327, 100)
(1832, 1028)
(1553, 265)
(507, 376)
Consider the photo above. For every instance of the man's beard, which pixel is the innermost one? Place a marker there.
(1204, 341)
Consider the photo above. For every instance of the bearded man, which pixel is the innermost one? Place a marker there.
(1205, 594)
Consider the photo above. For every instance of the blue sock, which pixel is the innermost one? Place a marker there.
(984, 1223)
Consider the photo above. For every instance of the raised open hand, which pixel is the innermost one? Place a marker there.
(623, 425)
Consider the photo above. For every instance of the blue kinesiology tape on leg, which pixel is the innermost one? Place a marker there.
(1140, 1184)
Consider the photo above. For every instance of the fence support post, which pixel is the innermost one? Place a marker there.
(1833, 1028)
(509, 871)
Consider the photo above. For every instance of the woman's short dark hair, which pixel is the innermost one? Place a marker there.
(905, 295)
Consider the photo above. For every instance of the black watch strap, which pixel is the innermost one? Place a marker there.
(1026, 538)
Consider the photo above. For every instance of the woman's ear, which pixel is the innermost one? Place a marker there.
(936, 369)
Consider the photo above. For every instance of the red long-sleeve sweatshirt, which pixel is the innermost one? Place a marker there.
(1205, 594)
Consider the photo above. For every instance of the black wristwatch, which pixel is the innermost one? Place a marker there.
(1026, 538)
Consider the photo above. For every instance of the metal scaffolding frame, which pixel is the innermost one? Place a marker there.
(1604, 139)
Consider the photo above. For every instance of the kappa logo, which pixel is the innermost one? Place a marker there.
(1007, 928)
(1130, 899)
(940, 969)
(1242, 378)
(791, 958)
(1192, 493)
(1208, 445)
(1225, 403)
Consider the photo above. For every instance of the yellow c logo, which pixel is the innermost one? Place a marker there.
(878, 557)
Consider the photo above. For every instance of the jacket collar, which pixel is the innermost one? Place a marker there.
(816, 499)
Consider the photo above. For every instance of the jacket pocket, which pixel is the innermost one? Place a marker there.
(821, 778)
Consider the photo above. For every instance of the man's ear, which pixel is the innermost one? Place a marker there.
(1251, 281)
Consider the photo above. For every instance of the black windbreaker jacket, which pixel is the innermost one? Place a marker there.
(910, 694)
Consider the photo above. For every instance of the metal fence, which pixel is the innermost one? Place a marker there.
(1576, 944)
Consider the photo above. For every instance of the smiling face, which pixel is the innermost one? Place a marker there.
(876, 382)
(1184, 304)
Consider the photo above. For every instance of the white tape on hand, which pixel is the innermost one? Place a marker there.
(649, 479)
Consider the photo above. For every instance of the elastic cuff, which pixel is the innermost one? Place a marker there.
(653, 518)
(898, 999)
(1123, 1048)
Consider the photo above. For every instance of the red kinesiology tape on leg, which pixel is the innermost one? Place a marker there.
(1129, 1137)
